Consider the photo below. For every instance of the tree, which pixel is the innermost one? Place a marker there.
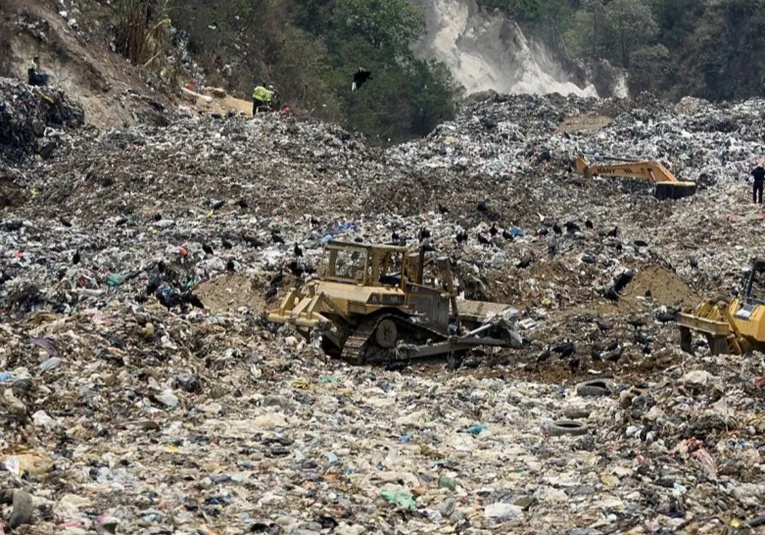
(633, 25)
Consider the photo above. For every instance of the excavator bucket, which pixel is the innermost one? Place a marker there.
(674, 190)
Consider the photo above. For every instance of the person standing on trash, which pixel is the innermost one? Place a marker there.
(261, 97)
(759, 179)
(33, 74)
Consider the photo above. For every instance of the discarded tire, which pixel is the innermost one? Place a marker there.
(568, 427)
(595, 388)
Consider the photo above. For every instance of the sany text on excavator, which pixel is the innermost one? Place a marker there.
(735, 327)
(667, 185)
(379, 303)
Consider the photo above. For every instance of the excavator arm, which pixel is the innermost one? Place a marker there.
(667, 185)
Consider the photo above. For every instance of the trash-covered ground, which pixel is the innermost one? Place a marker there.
(128, 408)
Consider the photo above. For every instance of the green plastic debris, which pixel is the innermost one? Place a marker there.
(447, 482)
(401, 499)
(329, 380)
(114, 279)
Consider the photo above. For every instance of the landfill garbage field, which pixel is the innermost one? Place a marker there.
(143, 392)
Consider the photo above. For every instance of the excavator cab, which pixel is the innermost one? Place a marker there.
(666, 185)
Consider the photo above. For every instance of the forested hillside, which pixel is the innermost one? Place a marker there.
(310, 49)
(711, 49)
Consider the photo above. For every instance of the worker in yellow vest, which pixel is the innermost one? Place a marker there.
(261, 98)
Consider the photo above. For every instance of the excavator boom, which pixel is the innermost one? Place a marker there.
(667, 185)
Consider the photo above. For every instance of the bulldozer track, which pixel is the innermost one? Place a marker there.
(358, 343)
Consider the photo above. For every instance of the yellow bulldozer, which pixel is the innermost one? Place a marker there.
(734, 327)
(380, 303)
(667, 186)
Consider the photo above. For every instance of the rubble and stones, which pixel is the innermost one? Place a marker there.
(123, 415)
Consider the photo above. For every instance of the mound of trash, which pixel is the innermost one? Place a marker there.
(32, 118)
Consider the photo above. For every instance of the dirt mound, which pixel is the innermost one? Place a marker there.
(665, 287)
(231, 292)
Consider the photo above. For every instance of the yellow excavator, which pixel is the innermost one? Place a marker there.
(667, 185)
(380, 303)
(734, 327)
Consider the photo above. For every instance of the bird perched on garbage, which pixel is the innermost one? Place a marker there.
(225, 243)
(277, 279)
(443, 209)
(207, 249)
(315, 222)
(640, 243)
(424, 234)
(242, 203)
(602, 325)
(462, 237)
(565, 349)
(613, 232)
(13, 225)
(507, 234)
(217, 205)
(271, 292)
(76, 258)
(493, 230)
(588, 224)
(360, 77)
(572, 227)
(230, 265)
(252, 241)
(556, 229)
(544, 355)
(483, 240)
(276, 238)
(297, 251)
(65, 222)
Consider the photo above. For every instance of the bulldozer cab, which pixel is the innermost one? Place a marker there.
(382, 265)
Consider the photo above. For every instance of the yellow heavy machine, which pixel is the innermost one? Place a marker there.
(378, 303)
(667, 186)
(735, 327)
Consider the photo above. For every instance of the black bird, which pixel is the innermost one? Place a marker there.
(483, 206)
(640, 338)
(612, 345)
(595, 354)
(225, 243)
(556, 229)
(542, 231)
(424, 234)
(207, 249)
(614, 357)
(622, 280)
(277, 279)
(396, 365)
(157, 217)
(252, 241)
(360, 77)
(648, 294)
(394, 237)
(65, 222)
(602, 325)
(613, 232)
(168, 298)
(525, 262)
(315, 222)
(276, 238)
(192, 299)
(241, 203)
(462, 237)
(573, 364)
(453, 362)
(483, 240)
(271, 292)
(493, 230)
(120, 221)
(76, 258)
(217, 205)
(297, 250)
(358, 239)
(230, 266)
(507, 234)
(443, 209)
(572, 227)
(619, 247)
(565, 350)
(153, 285)
(544, 355)
(640, 243)
(588, 224)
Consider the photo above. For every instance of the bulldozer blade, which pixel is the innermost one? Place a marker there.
(671, 190)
